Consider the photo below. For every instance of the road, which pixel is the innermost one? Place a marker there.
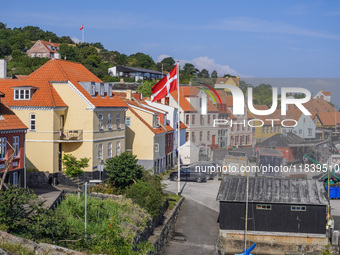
(196, 228)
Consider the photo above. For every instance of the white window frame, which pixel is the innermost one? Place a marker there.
(110, 90)
(118, 120)
(109, 121)
(33, 122)
(128, 121)
(156, 147)
(109, 150)
(101, 121)
(101, 89)
(100, 151)
(3, 147)
(93, 89)
(22, 94)
(16, 145)
(15, 179)
(118, 148)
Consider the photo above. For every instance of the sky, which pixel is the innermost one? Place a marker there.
(276, 39)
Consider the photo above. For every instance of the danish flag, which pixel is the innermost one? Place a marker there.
(82, 27)
(166, 85)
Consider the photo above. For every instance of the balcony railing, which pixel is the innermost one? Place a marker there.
(71, 135)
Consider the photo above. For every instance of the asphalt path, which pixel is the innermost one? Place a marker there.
(196, 228)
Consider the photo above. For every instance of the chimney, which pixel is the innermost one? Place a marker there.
(128, 94)
(121, 80)
(3, 68)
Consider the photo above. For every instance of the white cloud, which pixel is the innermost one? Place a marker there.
(210, 64)
(76, 40)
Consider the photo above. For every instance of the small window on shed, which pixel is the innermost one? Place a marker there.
(298, 208)
(263, 207)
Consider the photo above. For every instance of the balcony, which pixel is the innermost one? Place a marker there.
(71, 135)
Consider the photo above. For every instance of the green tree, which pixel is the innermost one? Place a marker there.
(145, 88)
(204, 73)
(141, 60)
(123, 170)
(214, 74)
(189, 69)
(74, 167)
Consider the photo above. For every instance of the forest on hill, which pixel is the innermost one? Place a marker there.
(14, 43)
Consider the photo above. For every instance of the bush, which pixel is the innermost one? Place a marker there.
(74, 167)
(123, 170)
(101, 188)
(147, 196)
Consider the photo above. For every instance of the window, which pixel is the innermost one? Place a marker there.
(101, 89)
(193, 137)
(32, 122)
(267, 129)
(187, 119)
(271, 129)
(109, 150)
(32, 55)
(118, 150)
(93, 89)
(201, 136)
(118, 120)
(263, 207)
(167, 101)
(15, 179)
(202, 120)
(300, 131)
(209, 119)
(16, 145)
(156, 147)
(263, 129)
(187, 136)
(100, 118)
(296, 208)
(109, 121)
(100, 151)
(44, 55)
(193, 119)
(128, 121)
(310, 131)
(110, 90)
(2, 148)
(208, 135)
(22, 94)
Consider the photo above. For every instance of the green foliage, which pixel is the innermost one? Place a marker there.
(145, 88)
(102, 188)
(74, 167)
(173, 199)
(214, 74)
(123, 170)
(327, 249)
(22, 214)
(15, 249)
(111, 224)
(203, 74)
(147, 196)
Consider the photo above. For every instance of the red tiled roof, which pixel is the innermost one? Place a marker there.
(318, 105)
(326, 93)
(56, 71)
(9, 120)
(21, 77)
(328, 118)
(184, 103)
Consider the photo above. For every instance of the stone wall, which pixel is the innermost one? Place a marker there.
(163, 234)
(37, 248)
(37, 179)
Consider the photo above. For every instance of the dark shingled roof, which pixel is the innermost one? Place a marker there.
(270, 152)
(288, 140)
(272, 190)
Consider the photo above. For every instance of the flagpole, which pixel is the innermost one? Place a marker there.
(179, 136)
(83, 34)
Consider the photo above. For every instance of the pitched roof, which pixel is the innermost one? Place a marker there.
(48, 45)
(272, 190)
(9, 120)
(184, 103)
(328, 118)
(56, 70)
(326, 93)
(318, 105)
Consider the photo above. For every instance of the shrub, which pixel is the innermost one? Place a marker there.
(74, 167)
(101, 188)
(147, 196)
(123, 170)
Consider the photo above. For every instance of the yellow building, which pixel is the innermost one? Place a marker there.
(235, 81)
(68, 110)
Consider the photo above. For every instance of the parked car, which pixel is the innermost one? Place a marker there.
(188, 174)
(207, 167)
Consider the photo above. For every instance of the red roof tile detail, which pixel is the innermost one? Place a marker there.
(9, 120)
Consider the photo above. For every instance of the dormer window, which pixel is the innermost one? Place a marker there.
(110, 90)
(101, 89)
(22, 94)
(93, 89)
